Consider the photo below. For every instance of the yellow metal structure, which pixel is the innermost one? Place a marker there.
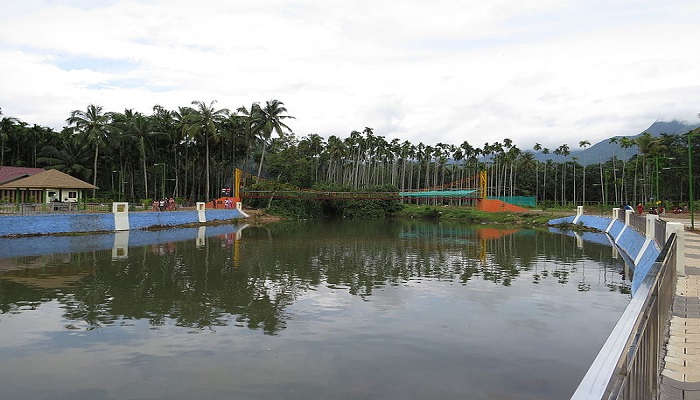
(237, 186)
(482, 183)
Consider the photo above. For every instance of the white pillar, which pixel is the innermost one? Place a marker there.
(678, 229)
(627, 216)
(121, 216)
(579, 213)
(120, 249)
(201, 211)
(651, 226)
(615, 214)
(201, 237)
(239, 207)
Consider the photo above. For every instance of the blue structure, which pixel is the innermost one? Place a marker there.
(634, 245)
(75, 223)
(44, 245)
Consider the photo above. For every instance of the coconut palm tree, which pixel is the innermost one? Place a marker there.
(93, 124)
(203, 122)
(584, 144)
(537, 147)
(6, 124)
(269, 119)
(71, 156)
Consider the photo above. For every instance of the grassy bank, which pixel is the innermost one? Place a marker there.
(473, 216)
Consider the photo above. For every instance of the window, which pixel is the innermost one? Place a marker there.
(72, 195)
(52, 194)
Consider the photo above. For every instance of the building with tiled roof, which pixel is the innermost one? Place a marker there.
(8, 174)
(43, 186)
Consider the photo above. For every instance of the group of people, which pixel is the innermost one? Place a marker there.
(164, 205)
(660, 210)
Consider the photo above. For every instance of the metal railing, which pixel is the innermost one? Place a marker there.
(660, 232)
(628, 366)
(639, 223)
(60, 208)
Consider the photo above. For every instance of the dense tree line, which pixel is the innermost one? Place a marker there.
(191, 153)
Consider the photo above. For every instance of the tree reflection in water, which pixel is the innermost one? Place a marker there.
(252, 281)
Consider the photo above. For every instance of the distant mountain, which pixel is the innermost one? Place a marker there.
(604, 150)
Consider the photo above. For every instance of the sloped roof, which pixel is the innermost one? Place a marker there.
(52, 178)
(8, 174)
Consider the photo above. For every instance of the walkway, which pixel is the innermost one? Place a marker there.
(680, 379)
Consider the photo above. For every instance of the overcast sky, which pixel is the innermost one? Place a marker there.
(546, 71)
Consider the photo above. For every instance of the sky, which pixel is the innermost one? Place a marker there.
(542, 71)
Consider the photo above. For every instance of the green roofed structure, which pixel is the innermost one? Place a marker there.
(440, 193)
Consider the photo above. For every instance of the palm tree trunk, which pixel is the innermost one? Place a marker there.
(143, 164)
(262, 159)
(206, 143)
(94, 170)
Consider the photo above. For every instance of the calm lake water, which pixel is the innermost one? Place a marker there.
(312, 310)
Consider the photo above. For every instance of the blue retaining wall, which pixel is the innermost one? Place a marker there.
(44, 224)
(616, 229)
(559, 221)
(631, 243)
(598, 223)
(43, 245)
(140, 220)
(222, 215)
(37, 224)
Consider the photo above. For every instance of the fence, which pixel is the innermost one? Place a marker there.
(639, 223)
(660, 232)
(523, 201)
(629, 364)
(60, 208)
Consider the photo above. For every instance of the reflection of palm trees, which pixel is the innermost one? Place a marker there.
(202, 288)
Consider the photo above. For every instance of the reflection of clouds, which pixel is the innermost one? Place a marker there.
(169, 325)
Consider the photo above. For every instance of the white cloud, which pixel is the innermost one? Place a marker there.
(547, 71)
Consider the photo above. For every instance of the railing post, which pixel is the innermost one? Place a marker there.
(121, 216)
(628, 214)
(651, 226)
(201, 211)
(677, 228)
(616, 213)
(579, 213)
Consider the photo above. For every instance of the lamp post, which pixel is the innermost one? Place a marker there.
(691, 196)
(658, 198)
(162, 187)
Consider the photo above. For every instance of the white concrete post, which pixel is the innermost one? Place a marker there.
(678, 229)
(615, 214)
(579, 213)
(627, 217)
(651, 225)
(239, 207)
(201, 212)
(121, 216)
(201, 237)
(120, 249)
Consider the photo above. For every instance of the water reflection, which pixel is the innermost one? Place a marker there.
(248, 277)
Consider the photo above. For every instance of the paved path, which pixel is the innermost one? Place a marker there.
(680, 378)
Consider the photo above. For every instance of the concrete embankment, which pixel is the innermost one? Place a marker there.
(639, 248)
(109, 222)
(119, 242)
